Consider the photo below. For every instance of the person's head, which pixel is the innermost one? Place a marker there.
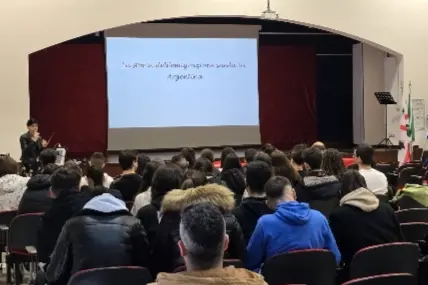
(297, 154)
(278, 189)
(48, 155)
(72, 164)
(332, 163)
(196, 179)
(319, 145)
(263, 156)
(313, 157)
(224, 153)
(49, 168)
(64, 179)
(189, 154)
(8, 165)
(231, 161)
(128, 160)
(142, 160)
(267, 148)
(249, 154)
(208, 154)
(258, 173)
(148, 173)
(32, 126)
(352, 180)
(167, 177)
(204, 165)
(95, 175)
(203, 237)
(364, 155)
(97, 159)
(180, 161)
(282, 166)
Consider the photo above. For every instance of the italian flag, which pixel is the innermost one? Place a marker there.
(407, 131)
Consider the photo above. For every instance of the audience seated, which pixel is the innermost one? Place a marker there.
(67, 201)
(12, 185)
(47, 156)
(263, 156)
(232, 175)
(208, 153)
(181, 162)
(202, 242)
(98, 160)
(282, 167)
(361, 220)
(165, 254)
(129, 182)
(166, 178)
(142, 160)
(103, 234)
(333, 164)
(318, 189)
(250, 154)
(37, 197)
(224, 153)
(205, 166)
(253, 207)
(297, 159)
(376, 180)
(190, 155)
(293, 226)
(196, 178)
(144, 196)
(96, 183)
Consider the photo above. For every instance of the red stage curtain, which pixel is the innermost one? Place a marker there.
(68, 96)
(287, 88)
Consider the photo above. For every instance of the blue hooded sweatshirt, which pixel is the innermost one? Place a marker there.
(294, 226)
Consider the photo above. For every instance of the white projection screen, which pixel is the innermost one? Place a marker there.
(176, 85)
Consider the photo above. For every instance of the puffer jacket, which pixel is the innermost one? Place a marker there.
(103, 234)
(165, 256)
(37, 197)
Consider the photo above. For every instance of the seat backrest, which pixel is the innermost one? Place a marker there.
(402, 258)
(23, 231)
(312, 266)
(6, 218)
(386, 279)
(128, 275)
(385, 167)
(413, 215)
(414, 232)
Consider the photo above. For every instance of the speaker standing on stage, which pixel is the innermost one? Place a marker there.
(31, 145)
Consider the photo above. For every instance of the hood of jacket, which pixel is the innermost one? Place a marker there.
(105, 203)
(294, 213)
(39, 182)
(361, 198)
(177, 200)
(255, 207)
(322, 187)
(220, 276)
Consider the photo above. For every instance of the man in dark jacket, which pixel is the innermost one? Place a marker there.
(319, 190)
(253, 207)
(31, 145)
(103, 234)
(37, 197)
(67, 201)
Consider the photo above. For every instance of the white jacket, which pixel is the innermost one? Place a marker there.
(12, 187)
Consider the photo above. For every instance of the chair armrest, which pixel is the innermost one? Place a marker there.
(416, 176)
(4, 228)
(393, 174)
(31, 249)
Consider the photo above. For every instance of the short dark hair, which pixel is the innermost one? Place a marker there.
(127, 158)
(65, 179)
(142, 160)
(96, 174)
(49, 168)
(249, 154)
(258, 173)
(97, 159)
(31, 122)
(352, 180)
(224, 153)
(72, 164)
(263, 156)
(176, 158)
(365, 152)
(167, 177)
(8, 165)
(48, 155)
(313, 157)
(231, 161)
(275, 187)
(148, 173)
(267, 148)
(208, 154)
(297, 153)
(189, 154)
(204, 165)
(196, 179)
(202, 232)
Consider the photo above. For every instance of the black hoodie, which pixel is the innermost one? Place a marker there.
(248, 213)
(128, 185)
(36, 198)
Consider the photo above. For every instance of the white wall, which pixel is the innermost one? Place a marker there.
(27, 26)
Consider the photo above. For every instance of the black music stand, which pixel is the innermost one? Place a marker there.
(385, 98)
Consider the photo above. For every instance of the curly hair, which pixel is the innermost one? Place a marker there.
(332, 163)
